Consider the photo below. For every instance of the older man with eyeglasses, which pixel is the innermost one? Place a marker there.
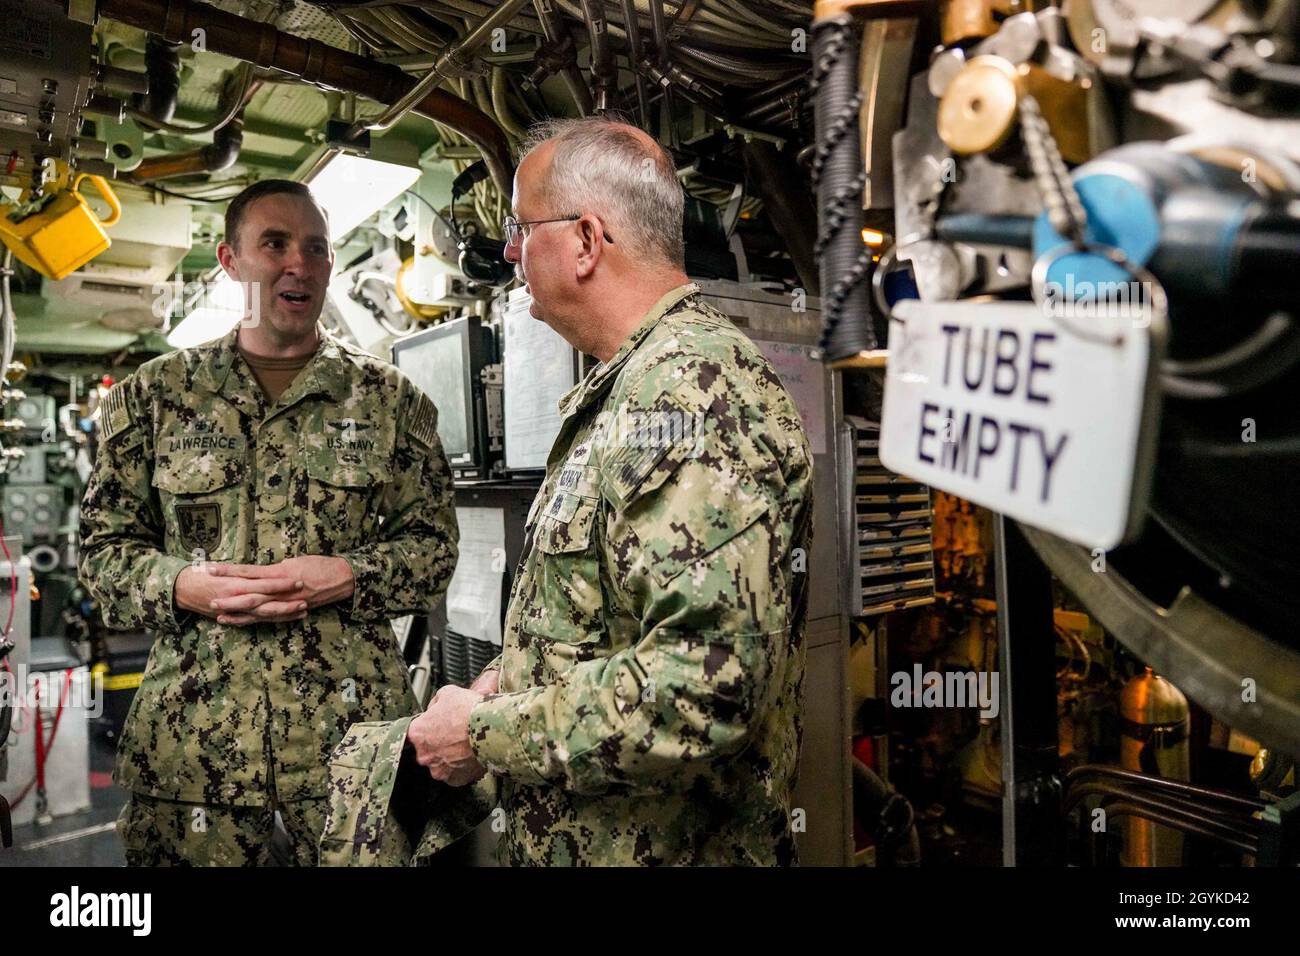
(645, 708)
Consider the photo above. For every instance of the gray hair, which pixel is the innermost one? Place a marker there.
(603, 166)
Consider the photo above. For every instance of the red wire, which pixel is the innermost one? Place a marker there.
(13, 599)
(40, 740)
(58, 713)
(43, 746)
(13, 585)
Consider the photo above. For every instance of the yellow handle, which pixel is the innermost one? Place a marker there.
(106, 191)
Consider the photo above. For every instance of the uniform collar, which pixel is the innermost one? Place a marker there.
(599, 378)
(224, 372)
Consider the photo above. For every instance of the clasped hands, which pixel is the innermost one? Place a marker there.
(440, 735)
(285, 591)
(242, 594)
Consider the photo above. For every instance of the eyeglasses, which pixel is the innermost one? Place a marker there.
(513, 229)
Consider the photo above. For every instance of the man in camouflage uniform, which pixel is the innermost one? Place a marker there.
(650, 686)
(267, 528)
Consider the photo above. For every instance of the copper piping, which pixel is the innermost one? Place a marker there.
(220, 154)
(315, 63)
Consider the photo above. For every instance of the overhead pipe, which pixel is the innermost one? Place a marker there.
(772, 173)
(603, 72)
(454, 58)
(727, 67)
(238, 93)
(635, 48)
(121, 83)
(501, 105)
(109, 107)
(163, 67)
(775, 94)
(660, 31)
(315, 63)
(675, 78)
(220, 154)
(558, 56)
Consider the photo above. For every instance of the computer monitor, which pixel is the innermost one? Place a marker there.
(447, 363)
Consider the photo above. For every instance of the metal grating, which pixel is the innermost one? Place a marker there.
(304, 20)
(297, 18)
(300, 107)
(893, 521)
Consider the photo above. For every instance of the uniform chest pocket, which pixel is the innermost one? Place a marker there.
(343, 495)
(338, 471)
(564, 602)
(201, 497)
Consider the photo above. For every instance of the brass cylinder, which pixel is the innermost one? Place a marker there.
(868, 9)
(966, 20)
(1154, 724)
(978, 110)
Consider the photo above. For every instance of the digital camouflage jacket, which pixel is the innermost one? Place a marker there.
(652, 667)
(196, 464)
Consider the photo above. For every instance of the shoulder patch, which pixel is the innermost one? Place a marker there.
(654, 440)
(424, 421)
(114, 413)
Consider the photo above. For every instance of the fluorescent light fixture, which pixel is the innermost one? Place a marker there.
(352, 188)
(215, 312)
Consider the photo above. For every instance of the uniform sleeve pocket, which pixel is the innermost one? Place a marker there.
(653, 443)
(683, 516)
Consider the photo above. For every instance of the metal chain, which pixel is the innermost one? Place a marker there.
(929, 209)
(1065, 212)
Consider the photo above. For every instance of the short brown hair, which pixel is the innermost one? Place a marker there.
(238, 207)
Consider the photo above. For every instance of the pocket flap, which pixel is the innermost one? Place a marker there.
(197, 475)
(707, 511)
(348, 471)
(649, 445)
(564, 525)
